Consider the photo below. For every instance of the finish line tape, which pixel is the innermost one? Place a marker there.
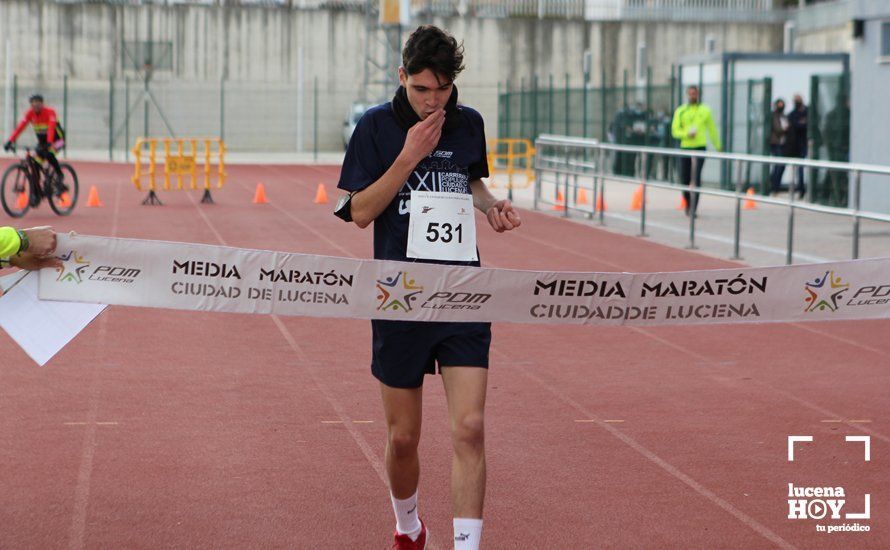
(199, 277)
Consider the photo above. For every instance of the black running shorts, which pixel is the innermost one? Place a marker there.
(404, 351)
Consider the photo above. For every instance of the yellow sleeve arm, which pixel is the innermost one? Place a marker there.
(676, 131)
(9, 242)
(712, 131)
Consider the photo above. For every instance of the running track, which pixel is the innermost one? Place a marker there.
(159, 428)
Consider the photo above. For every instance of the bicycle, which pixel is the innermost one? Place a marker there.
(21, 187)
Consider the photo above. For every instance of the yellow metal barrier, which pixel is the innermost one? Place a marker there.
(511, 157)
(182, 157)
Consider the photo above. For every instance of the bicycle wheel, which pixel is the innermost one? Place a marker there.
(62, 199)
(15, 191)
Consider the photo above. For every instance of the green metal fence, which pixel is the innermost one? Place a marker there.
(641, 115)
(249, 116)
(632, 115)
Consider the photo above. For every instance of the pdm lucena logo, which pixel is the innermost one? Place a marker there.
(825, 292)
(73, 267)
(397, 293)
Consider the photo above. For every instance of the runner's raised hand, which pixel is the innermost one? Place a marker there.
(423, 137)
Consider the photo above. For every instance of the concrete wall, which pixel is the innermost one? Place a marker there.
(256, 45)
(826, 27)
(833, 39)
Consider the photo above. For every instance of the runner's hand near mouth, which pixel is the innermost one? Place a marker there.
(423, 137)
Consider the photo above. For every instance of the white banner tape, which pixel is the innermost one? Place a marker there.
(216, 278)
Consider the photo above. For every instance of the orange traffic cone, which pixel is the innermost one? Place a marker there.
(582, 196)
(21, 201)
(65, 200)
(600, 203)
(636, 203)
(259, 197)
(560, 202)
(683, 204)
(93, 198)
(750, 204)
(321, 196)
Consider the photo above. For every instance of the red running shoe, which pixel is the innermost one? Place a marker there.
(404, 542)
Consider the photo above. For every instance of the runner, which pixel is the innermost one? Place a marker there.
(422, 153)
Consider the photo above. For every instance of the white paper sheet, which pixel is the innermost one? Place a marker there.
(9, 280)
(40, 327)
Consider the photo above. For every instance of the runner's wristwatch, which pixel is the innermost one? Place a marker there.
(24, 243)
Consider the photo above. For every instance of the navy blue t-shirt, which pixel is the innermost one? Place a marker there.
(459, 158)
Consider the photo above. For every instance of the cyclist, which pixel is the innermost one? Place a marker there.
(50, 135)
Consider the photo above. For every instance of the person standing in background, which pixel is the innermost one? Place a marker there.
(796, 145)
(777, 138)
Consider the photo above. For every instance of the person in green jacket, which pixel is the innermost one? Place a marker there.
(28, 248)
(693, 125)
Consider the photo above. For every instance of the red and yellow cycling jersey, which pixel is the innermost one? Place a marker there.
(44, 124)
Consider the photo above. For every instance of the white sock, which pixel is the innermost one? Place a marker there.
(467, 533)
(407, 520)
